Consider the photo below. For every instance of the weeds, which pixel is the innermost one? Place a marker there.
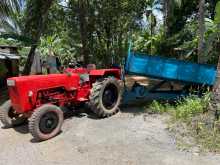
(157, 107)
(183, 109)
(190, 118)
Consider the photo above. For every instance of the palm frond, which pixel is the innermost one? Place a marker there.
(8, 11)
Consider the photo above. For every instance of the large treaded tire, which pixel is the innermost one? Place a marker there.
(96, 97)
(36, 120)
(8, 117)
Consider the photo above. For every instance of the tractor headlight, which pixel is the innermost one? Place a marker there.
(11, 83)
(30, 94)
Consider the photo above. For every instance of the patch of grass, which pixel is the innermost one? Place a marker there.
(182, 109)
(191, 123)
(159, 108)
(191, 106)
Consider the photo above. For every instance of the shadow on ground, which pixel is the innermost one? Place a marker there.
(22, 129)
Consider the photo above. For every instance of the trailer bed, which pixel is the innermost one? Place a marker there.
(170, 69)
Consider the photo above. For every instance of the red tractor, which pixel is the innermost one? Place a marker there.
(40, 98)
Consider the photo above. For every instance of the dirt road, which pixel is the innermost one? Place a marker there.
(124, 139)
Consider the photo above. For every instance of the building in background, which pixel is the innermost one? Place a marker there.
(9, 63)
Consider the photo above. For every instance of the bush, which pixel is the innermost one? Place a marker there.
(183, 109)
(191, 106)
(191, 122)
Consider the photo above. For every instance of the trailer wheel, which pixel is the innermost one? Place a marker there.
(46, 122)
(105, 97)
(9, 117)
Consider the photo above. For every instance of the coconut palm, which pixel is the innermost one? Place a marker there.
(9, 9)
(152, 9)
(168, 7)
(36, 16)
(35, 13)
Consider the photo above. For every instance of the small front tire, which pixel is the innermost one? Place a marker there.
(46, 122)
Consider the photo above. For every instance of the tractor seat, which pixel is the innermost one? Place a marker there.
(84, 78)
(91, 67)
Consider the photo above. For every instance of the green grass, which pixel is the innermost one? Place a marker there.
(191, 119)
(183, 109)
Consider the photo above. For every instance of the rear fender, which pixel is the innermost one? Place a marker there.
(94, 74)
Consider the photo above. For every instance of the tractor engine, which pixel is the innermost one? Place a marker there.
(29, 92)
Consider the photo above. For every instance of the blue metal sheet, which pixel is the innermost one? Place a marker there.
(170, 69)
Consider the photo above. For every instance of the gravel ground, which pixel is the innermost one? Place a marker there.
(124, 139)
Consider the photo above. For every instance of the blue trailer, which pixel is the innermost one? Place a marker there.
(167, 70)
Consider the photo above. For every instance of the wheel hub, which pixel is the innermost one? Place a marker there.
(48, 122)
(110, 96)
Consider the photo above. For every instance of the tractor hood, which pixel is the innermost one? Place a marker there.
(21, 89)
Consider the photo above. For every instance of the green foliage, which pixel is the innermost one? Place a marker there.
(59, 47)
(208, 134)
(8, 42)
(100, 30)
(183, 109)
(147, 43)
(11, 16)
(177, 12)
(3, 69)
(104, 36)
(217, 16)
(157, 107)
(191, 106)
(192, 123)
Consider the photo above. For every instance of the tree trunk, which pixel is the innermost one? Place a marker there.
(166, 11)
(36, 29)
(201, 32)
(217, 83)
(82, 13)
(28, 64)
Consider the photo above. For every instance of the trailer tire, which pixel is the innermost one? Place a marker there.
(105, 97)
(46, 122)
(8, 116)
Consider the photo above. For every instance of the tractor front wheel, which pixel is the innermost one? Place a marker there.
(9, 117)
(46, 122)
(105, 97)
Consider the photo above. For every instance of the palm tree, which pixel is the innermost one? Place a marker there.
(168, 7)
(201, 31)
(153, 6)
(9, 9)
(36, 16)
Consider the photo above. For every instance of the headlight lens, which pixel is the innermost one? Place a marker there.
(11, 83)
(30, 93)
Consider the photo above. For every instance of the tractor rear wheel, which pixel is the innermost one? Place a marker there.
(46, 122)
(9, 117)
(105, 97)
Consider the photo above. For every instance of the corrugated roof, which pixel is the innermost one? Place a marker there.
(9, 56)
